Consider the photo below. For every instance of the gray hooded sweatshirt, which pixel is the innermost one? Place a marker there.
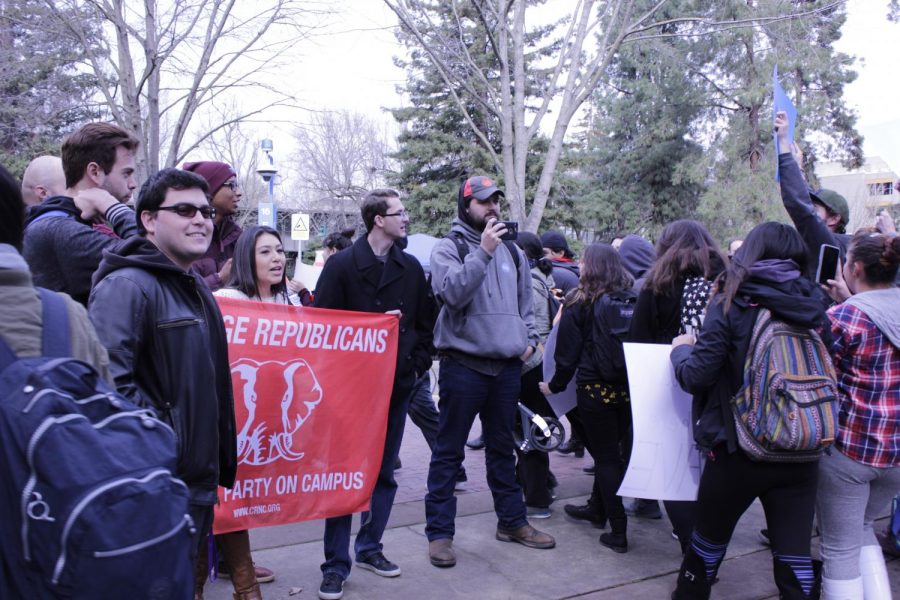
(881, 307)
(487, 307)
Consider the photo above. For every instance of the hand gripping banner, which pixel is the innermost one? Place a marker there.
(311, 395)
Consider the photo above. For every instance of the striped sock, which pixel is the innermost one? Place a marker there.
(712, 554)
(802, 568)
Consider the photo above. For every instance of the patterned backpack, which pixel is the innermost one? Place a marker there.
(787, 408)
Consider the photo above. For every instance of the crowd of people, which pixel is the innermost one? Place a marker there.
(140, 280)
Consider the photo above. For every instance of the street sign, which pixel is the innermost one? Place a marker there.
(267, 215)
(299, 227)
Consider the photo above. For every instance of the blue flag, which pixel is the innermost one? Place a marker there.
(781, 102)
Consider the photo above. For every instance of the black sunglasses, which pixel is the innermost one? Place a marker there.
(188, 210)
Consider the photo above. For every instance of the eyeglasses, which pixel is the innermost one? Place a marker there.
(400, 213)
(234, 185)
(188, 210)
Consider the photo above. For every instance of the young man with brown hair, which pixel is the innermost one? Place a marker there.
(61, 245)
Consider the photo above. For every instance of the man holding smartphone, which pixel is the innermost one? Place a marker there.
(822, 216)
(484, 331)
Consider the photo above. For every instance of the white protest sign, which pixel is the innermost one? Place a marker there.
(564, 401)
(665, 463)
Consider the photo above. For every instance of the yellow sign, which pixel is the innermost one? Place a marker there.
(299, 227)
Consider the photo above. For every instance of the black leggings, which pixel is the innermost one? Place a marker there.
(729, 485)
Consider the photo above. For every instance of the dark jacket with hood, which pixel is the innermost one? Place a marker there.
(354, 279)
(63, 251)
(713, 369)
(168, 351)
(565, 275)
(637, 256)
(799, 205)
(225, 236)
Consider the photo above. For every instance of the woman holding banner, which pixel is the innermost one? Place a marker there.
(603, 295)
(257, 273)
(767, 272)
(673, 301)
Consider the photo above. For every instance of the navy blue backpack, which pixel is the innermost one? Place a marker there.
(91, 508)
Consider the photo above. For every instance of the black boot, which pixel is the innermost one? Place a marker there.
(616, 540)
(692, 582)
(790, 588)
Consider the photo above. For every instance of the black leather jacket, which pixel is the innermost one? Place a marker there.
(168, 351)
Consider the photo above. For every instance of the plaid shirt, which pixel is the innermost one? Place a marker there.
(868, 368)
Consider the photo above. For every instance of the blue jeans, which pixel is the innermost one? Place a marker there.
(424, 414)
(374, 521)
(464, 394)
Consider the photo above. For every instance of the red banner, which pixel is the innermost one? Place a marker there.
(311, 395)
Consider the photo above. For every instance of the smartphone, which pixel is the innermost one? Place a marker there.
(829, 258)
(512, 230)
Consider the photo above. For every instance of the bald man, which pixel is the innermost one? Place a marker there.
(43, 178)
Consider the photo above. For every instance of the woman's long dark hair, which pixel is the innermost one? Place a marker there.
(530, 244)
(602, 272)
(684, 248)
(768, 241)
(243, 269)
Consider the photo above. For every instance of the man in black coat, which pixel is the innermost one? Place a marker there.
(375, 275)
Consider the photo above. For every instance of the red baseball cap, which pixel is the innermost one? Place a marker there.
(480, 187)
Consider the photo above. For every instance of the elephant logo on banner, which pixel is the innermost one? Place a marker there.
(260, 442)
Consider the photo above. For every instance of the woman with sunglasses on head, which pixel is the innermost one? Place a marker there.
(767, 272)
(861, 472)
(257, 273)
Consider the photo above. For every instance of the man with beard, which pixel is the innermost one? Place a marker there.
(484, 332)
(61, 247)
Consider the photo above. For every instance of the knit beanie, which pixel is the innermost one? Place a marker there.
(215, 173)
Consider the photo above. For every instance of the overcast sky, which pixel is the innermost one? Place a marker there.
(351, 67)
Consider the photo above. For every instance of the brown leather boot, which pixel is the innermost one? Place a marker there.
(201, 570)
(235, 548)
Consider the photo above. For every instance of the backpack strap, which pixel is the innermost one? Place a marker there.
(55, 330)
(47, 215)
(462, 248)
(55, 322)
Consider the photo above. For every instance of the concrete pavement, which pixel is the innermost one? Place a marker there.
(491, 570)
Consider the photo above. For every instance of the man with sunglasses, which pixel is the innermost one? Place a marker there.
(165, 335)
(61, 246)
(225, 191)
(375, 275)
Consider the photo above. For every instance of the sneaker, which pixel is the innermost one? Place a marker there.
(526, 535)
(643, 509)
(572, 446)
(332, 587)
(585, 513)
(536, 512)
(378, 564)
(476, 443)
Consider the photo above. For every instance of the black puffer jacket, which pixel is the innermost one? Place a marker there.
(168, 351)
(63, 251)
(713, 369)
